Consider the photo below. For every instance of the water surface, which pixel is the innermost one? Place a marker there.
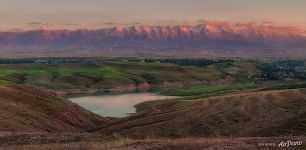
(116, 105)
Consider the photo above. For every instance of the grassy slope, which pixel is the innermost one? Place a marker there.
(281, 86)
(105, 75)
(115, 74)
(199, 90)
(30, 109)
(239, 70)
(245, 114)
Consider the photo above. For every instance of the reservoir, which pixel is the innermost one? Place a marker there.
(116, 105)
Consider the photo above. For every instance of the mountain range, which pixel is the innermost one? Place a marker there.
(210, 37)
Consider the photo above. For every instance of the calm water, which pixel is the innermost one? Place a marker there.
(116, 105)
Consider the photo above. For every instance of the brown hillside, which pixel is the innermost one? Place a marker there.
(94, 142)
(25, 108)
(267, 113)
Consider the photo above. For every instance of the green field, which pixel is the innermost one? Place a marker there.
(105, 74)
(281, 86)
(211, 89)
(172, 77)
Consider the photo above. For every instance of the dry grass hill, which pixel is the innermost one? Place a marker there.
(266, 113)
(35, 118)
(25, 108)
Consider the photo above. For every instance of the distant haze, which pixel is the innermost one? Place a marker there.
(93, 14)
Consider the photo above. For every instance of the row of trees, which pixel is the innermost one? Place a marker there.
(200, 62)
(16, 61)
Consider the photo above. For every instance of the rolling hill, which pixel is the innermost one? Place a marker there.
(109, 76)
(265, 113)
(25, 108)
(35, 118)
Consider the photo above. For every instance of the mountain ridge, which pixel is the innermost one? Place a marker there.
(213, 36)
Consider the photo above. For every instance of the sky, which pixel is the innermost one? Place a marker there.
(92, 14)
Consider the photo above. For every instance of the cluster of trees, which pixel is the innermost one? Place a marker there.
(277, 70)
(17, 61)
(200, 62)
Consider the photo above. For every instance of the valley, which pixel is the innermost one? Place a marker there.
(152, 75)
(222, 103)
